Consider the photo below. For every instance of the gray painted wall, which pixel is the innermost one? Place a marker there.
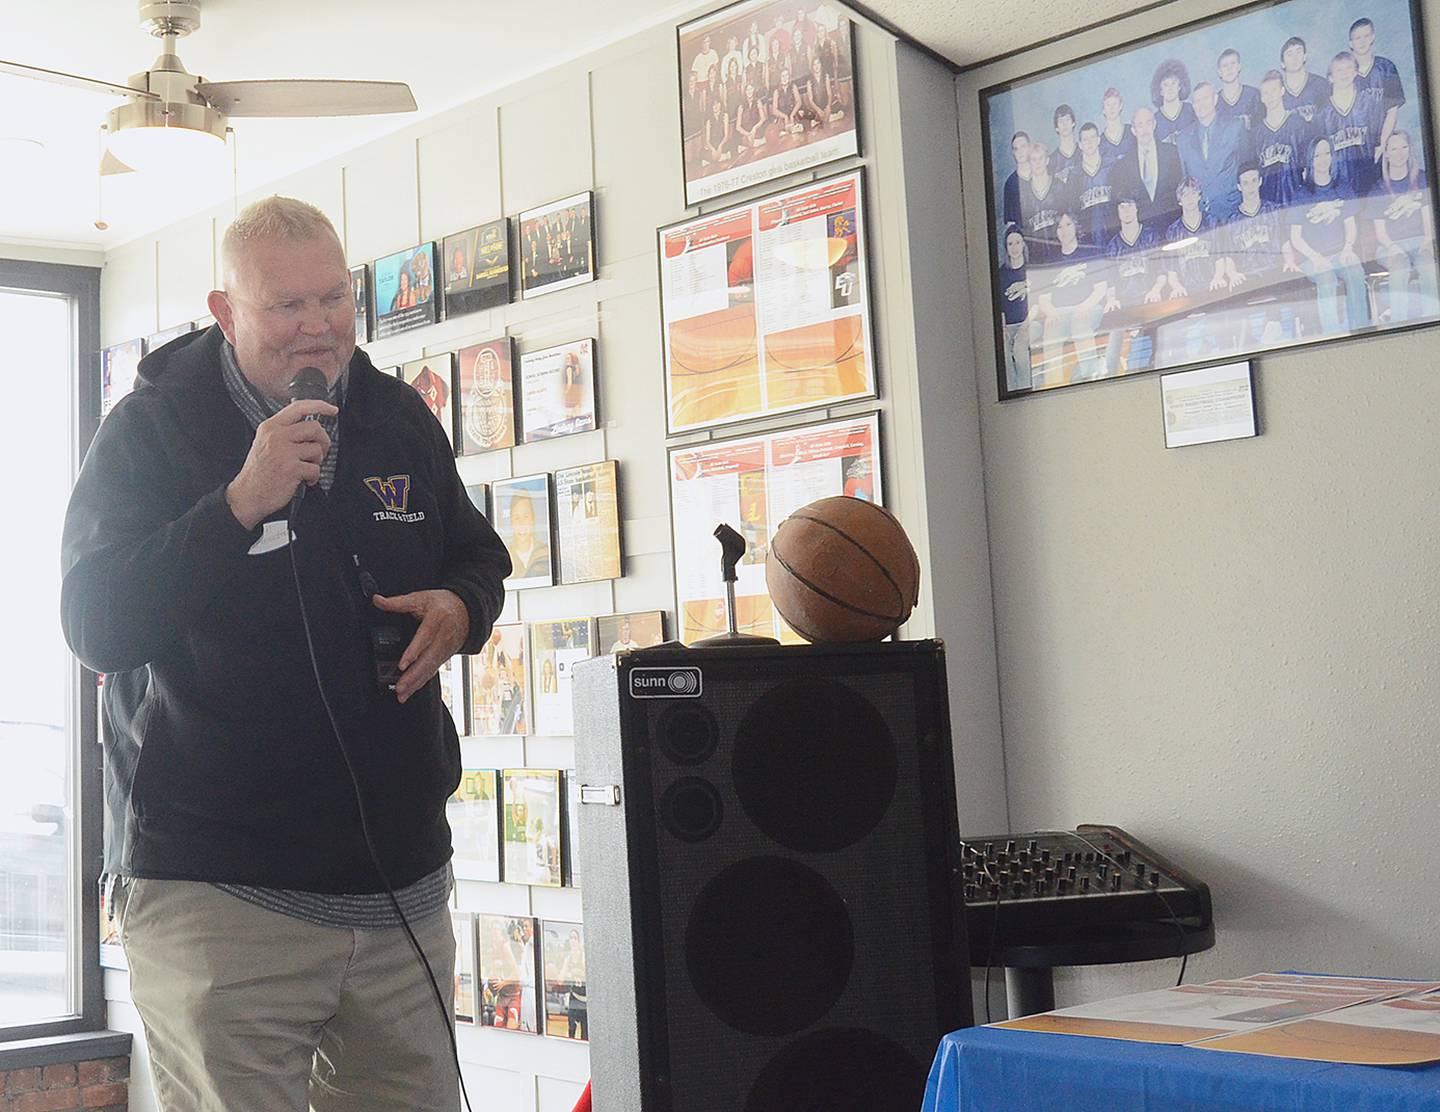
(1230, 650)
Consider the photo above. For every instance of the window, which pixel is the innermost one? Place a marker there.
(49, 978)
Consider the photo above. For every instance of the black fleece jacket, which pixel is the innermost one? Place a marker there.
(221, 764)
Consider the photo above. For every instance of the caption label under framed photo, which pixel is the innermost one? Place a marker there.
(1208, 404)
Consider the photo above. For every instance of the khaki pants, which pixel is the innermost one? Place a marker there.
(249, 1010)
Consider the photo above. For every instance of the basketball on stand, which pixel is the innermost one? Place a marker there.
(842, 569)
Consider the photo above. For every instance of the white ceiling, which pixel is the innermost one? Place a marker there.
(449, 51)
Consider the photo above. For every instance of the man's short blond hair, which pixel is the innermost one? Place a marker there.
(271, 219)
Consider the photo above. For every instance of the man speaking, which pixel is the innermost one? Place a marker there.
(256, 850)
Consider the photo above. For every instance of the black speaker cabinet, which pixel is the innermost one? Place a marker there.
(773, 918)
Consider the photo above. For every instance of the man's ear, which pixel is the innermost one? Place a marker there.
(223, 312)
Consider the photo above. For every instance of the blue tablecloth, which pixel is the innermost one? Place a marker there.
(985, 1069)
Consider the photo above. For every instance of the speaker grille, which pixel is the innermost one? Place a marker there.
(840, 1070)
(772, 924)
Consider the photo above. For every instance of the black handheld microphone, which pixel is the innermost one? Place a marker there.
(308, 385)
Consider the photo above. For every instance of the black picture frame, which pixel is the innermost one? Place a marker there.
(360, 292)
(1285, 298)
(484, 282)
(539, 277)
(404, 314)
(794, 159)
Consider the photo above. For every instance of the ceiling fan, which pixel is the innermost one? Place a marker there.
(168, 107)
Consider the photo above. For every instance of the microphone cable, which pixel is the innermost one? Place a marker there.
(446, 1014)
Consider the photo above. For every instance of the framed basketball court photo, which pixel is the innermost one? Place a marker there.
(765, 307)
(1247, 183)
(766, 89)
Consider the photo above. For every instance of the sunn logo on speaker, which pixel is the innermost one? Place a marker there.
(665, 683)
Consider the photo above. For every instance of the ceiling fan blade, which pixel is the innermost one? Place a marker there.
(307, 98)
(19, 69)
(109, 164)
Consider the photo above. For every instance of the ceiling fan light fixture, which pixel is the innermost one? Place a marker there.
(155, 137)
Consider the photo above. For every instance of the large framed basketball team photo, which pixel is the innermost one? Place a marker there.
(766, 89)
(1250, 182)
(765, 306)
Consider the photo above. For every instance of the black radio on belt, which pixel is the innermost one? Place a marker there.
(389, 634)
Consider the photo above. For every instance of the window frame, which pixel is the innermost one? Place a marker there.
(80, 286)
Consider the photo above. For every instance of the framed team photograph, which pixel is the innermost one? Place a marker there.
(405, 294)
(1246, 183)
(360, 294)
(571, 832)
(566, 989)
(509, 968)
(454, 694)
(587, 522)
(473, 813)
(479, 497)
(532, 827)
(477, 268)
(157, 340)
(754, 483)
(520, 513)
(766, 89)
(557, 391)
(765, 307)
(119, 364)
(487, 396)
(466, 986)
(433, 378)
(615, 633)
(555, 648)
(498, 682)
(557, 245)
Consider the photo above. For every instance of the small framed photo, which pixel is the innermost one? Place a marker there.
(487, 396)
(566, 990)
(466, 997)
(509, 968)
(520, 513)
(557, 245)
(360, 293)
(555, 648)
(479, 497)
(557, 391)
(118, 367)
(453, 693)
(1208, 404)
(112, 954)
(477, 268)
(473, 813)
(617, 633)
(571, 838)
(532, 827)
(498, 684)
(587, 522)
(165, 335)
(405, 295)
(433, 378)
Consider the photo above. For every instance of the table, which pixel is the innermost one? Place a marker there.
(985, 1069)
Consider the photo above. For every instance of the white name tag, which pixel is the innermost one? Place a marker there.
(273, 535)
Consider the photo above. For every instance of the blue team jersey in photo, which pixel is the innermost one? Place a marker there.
(1247, 107)
(1070, 279)
(1133, 266)
(1320, 214)
(1281, 152)
(1354, 134)
(1112, 151)
(1165, 127)
(1383, 76)
(1039, 213)
(1061, 162)
(1014, 294)
(1255, 242)
(1091, 195)
(1401, 205)
(1315, 92)
(1191, 252)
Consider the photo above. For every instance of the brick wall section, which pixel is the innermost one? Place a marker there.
(101, 1085)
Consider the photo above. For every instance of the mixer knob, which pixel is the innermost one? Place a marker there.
(990, 849)
(1155, 879)
(1085, 884)
(1115, 879)
(1045, 856)
(1033, 846)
